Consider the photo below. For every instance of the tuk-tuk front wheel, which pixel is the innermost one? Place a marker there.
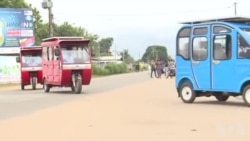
(76, 83)
(187, 93)
(46, 87)
(246, 95)
(33, 81)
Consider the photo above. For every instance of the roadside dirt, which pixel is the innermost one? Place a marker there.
(150, 111)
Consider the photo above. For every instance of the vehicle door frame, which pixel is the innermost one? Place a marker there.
(202, 80)
(220, 75)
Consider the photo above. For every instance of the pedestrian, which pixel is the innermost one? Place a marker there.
(153, 69)
(159, 68)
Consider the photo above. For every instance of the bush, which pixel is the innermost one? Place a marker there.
(95, 69)
(116, 69)
(105, 72)
(124, 68)
(109, 69)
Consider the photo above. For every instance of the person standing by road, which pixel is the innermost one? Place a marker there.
(153, 69)
(159, 68)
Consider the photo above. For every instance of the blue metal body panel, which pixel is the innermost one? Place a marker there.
(210, 74)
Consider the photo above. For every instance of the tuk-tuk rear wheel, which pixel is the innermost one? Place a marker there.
(221, 97)
(22, 86)
(46, 86)
(246, 95)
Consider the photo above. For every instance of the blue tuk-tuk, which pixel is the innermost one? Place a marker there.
(213, 59)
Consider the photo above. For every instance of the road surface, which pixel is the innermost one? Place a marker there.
(28, 101)
(131, 107)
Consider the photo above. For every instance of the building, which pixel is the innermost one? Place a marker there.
(102, 61)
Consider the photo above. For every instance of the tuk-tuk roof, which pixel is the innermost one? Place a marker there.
(238, 19)
(31, 48)
(65, 39)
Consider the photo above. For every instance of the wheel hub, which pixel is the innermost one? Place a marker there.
(247, 96)
(186, 93)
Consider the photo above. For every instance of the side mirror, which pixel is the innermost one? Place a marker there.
(18, 59)
(57, 52)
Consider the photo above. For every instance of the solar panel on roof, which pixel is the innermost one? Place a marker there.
(63, 38)
(223, 19)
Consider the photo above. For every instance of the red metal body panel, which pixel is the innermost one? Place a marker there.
(86, 77)
(27, 70)
(25, 77)
(53, 70)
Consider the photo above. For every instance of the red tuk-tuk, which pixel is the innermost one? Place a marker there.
(30, 60)
(66, 63)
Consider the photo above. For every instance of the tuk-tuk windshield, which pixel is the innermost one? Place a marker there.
(31, 60)
(75, 54)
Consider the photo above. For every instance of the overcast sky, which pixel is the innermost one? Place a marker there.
(135, 25)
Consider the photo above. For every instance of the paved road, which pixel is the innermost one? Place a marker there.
(24, 102)
(129, 107)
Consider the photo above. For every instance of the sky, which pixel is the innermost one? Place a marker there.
(135, 24)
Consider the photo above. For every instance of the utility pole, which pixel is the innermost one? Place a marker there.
(50, 21)
(115, 52)
(47, 4)
(123, 55)
(235, 8)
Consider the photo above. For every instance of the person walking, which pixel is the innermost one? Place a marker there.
(159, 68)
(153, 69)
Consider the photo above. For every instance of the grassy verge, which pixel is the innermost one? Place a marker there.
(8, 85)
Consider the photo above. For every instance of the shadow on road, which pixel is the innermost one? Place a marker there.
(227, 103)
(66, 92)
(30, 89)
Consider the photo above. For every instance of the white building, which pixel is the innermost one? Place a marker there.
(102, 61)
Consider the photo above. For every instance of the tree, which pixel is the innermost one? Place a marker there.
(40, 29)
(13, 4)
(155, 52)
(105, 44)
(126, 57)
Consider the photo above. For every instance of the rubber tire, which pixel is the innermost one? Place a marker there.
(46, 87)
(78, 88)
(221, 97)
(193, 93)
(33, 83)
(72, 88)
(22, 86)
(244, 95)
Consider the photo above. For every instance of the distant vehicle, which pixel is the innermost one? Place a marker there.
(30, 60)
(66, 63)
(213, 59)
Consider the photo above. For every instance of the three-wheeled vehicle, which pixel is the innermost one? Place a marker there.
(30, 60)
(66, 63)
(213, 59)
